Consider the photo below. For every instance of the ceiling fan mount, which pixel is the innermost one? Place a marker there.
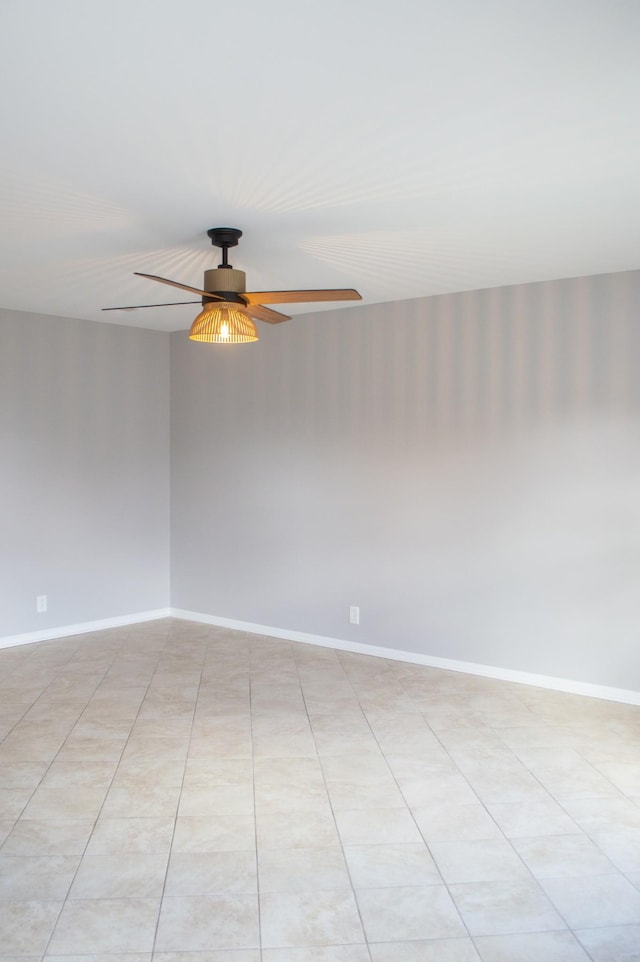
(224, 237)
(224, 288)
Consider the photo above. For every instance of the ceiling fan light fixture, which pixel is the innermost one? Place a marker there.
(223, 323)
(228, 308)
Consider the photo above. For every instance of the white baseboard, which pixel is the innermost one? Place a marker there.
(624, 695)
(48, 633)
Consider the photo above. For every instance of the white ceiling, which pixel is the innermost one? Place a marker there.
(405, 148)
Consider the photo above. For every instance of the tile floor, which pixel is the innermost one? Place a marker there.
(182, 793)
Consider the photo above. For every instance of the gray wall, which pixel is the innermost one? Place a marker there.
(464, 468)
(84, 493)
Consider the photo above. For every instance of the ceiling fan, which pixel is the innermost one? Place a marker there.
(228, 309)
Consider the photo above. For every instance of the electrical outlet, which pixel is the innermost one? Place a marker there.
(41, 603)
(354, 615)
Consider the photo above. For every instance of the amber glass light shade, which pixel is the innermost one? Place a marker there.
(223, 323)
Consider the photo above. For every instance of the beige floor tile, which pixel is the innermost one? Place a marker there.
(22, 958)
(377, 826)
(408, 913)
(168, 726)
(349, 795)
(196, 924)
(576, 782)
(484, 760)
(220, 746)
(6, 826)
(274, 724)
(48, 837)
(594, 901)
(612, 944)
(211, 873)
(393, 864)
(298, 790)
(602, 816)
(345, 742)
(79, 748)
(79, 776)
(185, 674)
(18, 774)
(144, 801)
(225, 955)
(309, 918)
(111, 957)
(105, 926)
(221, 704)
(361, 769)
(103, 728)
(532, 947)
(123, 876)
(215, 833)
(114, 836)
(209, 798)
(29, 747)
(486, 860)
(36, 877)
(282, 830)
(503, 908)
(302, 771)
(425, 790)
(25, 926)
(136, 771)
(435, 950)
(13, 802)
(418, 744)
(318, 953)
(302, 870)
(495, 788)
(323, 703)
(220, 726)
(624, 775)
(528, 818)
(466, 737)
(422, 765)
(382, 699)
(360, 782)
(147, 746)
(284, 746)
(338, 723)
(562, 856)
(60, 803)
(535, 734)
(160, 702)
(622, 848)
(452, 823)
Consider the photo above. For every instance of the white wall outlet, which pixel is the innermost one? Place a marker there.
(354, 615)
(41, 603)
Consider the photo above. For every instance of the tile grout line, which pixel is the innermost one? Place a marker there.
(333, 814)
(177, 810)
(255, 811)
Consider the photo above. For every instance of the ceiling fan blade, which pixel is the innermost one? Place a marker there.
(137, 307)
(183, 287)
(300, 297)
(265, 314)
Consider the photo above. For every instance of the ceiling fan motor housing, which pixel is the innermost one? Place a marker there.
(228, 281)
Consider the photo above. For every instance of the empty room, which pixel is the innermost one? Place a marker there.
(319, 482)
